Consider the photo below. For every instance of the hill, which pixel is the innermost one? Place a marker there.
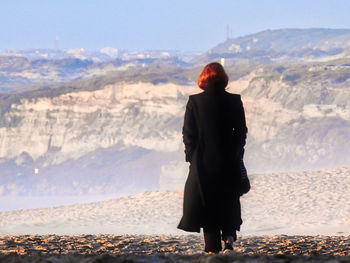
(282, 46)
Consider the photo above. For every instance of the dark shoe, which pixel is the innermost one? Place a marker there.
(229, 241)
(228, 245)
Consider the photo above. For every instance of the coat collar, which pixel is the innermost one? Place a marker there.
(212, 88)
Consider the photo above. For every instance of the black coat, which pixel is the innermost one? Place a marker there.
(214, 134)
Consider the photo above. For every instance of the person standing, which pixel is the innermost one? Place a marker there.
(214, 134)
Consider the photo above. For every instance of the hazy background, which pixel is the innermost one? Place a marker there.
(93, 93)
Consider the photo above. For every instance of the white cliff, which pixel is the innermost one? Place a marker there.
(128, 134)
(77, 123)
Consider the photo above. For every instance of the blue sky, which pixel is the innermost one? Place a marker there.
(156, 24)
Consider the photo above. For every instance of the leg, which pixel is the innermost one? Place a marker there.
(212, 240)
(229, 237)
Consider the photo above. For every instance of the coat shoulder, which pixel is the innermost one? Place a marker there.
(234, 96)
(194, 98)
(197, 95)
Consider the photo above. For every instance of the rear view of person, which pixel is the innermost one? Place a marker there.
(214, 134)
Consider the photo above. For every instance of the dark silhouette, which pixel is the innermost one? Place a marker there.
(214, 134)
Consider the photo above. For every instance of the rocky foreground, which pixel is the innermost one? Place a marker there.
(146, 248)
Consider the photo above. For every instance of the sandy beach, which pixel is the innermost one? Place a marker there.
(300, 203)
(154, 248)
(288, 224)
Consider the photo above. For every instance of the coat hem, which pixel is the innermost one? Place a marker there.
(197, 230)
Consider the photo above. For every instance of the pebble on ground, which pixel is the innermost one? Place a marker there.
(143, 248)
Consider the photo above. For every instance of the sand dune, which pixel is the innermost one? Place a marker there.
(307, 203)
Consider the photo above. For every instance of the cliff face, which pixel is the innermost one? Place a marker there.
(127, 136)
(114, 139)
(73, 124)
(299, 119)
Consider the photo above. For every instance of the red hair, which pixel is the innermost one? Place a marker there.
(213, 73)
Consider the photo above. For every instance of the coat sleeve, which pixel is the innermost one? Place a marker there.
(189, 131)
(240, 128)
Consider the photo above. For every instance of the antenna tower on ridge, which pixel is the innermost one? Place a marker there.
(227, 32)
(56, 43)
